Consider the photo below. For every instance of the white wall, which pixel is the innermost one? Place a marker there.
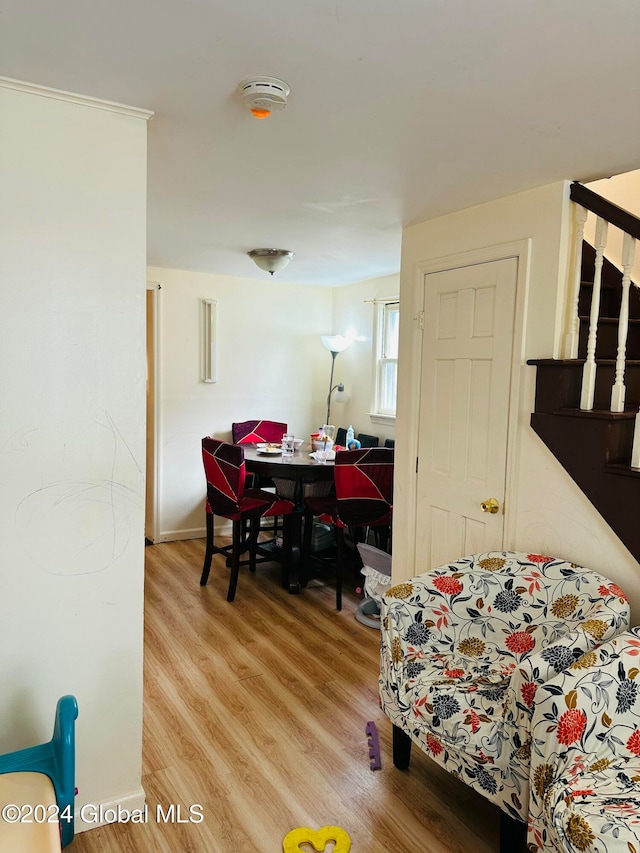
(353, 310)
(271, 364)
(623, 190)
(72, 373)
(548, 512)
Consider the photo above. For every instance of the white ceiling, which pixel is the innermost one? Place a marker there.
(400, 110)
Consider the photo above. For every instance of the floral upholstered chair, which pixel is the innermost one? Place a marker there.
(585, 754)
(464, 650)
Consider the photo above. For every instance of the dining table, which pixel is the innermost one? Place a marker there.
(295, 477)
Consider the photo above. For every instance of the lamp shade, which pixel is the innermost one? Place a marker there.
(270, 260)
(341, 396)
(335, 343)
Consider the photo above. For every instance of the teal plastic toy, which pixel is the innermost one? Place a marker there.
(56, 759)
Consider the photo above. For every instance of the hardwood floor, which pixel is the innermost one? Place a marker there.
(256, 710)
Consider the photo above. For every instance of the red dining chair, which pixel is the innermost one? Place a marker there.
(363, 499)
(254, 432)
(227, 497)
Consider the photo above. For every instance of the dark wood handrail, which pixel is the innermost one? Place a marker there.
(617, 216)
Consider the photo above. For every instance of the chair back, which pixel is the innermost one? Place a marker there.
(225, 471)
(364, 485)
(368, 440)
(252, 432)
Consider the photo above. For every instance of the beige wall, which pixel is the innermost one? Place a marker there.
(623, 190)
(271, 364)
(353, 311)
(547, 513)
(72, 372)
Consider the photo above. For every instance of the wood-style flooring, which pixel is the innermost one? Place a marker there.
(256, 710)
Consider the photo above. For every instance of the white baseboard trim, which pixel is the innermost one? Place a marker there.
(223, 528)
(92, 815)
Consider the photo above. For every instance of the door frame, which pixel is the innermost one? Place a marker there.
(152, 478)
(405, 522)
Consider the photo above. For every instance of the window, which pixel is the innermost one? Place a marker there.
(387, 324)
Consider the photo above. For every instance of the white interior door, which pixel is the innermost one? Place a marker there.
(464, 410)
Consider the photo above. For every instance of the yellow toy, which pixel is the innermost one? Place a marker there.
(318, 838)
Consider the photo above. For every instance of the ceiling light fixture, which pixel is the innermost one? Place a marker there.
(270, 260)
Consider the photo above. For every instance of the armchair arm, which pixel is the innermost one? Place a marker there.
(403, 615)
(600, 691)
(549, 662)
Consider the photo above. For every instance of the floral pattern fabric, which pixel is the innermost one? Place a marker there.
(585, 763)
(465, 648)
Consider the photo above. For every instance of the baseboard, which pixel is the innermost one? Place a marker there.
(223, 528)
(92, 815)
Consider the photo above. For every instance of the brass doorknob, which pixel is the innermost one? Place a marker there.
(490, 505)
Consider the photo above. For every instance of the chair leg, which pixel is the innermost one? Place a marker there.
(513, 834)
(305, 556)
(339, 566)
(245, 538)
(287, 543)
(208, 554)
(401, 748)
(383, 538)
(254, 531)
(235, 559)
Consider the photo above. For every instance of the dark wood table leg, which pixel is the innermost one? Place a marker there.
(296, 551)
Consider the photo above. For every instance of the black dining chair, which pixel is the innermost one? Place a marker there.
(368, 440)
(389, 442)
(341, 437)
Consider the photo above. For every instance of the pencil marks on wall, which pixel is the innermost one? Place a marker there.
(89, 504)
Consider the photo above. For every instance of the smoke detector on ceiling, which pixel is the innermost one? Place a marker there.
(264, 95)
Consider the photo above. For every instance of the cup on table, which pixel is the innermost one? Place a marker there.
(330, 431)
(288, 444)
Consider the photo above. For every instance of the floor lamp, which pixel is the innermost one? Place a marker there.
(335, 344)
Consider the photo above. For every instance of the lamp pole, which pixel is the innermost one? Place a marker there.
(335, 344)
(331, 386)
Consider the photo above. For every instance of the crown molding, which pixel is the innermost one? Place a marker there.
(72, 98)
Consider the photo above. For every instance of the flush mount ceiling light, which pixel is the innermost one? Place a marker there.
(264, 95)
(270, 260)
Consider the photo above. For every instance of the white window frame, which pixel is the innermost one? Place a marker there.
(382, 308)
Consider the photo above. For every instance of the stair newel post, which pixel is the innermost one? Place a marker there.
(589, 371)
(572, 336)
(618, 390)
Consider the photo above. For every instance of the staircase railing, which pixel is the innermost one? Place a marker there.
(606, 214)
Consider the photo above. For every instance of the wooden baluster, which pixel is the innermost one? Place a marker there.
(571, 339)
(618, 389)
(589, 370)
(635, 453)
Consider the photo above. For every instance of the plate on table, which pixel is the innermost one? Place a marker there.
(269, 449)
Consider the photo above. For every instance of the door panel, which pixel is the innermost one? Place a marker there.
(464, 408)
